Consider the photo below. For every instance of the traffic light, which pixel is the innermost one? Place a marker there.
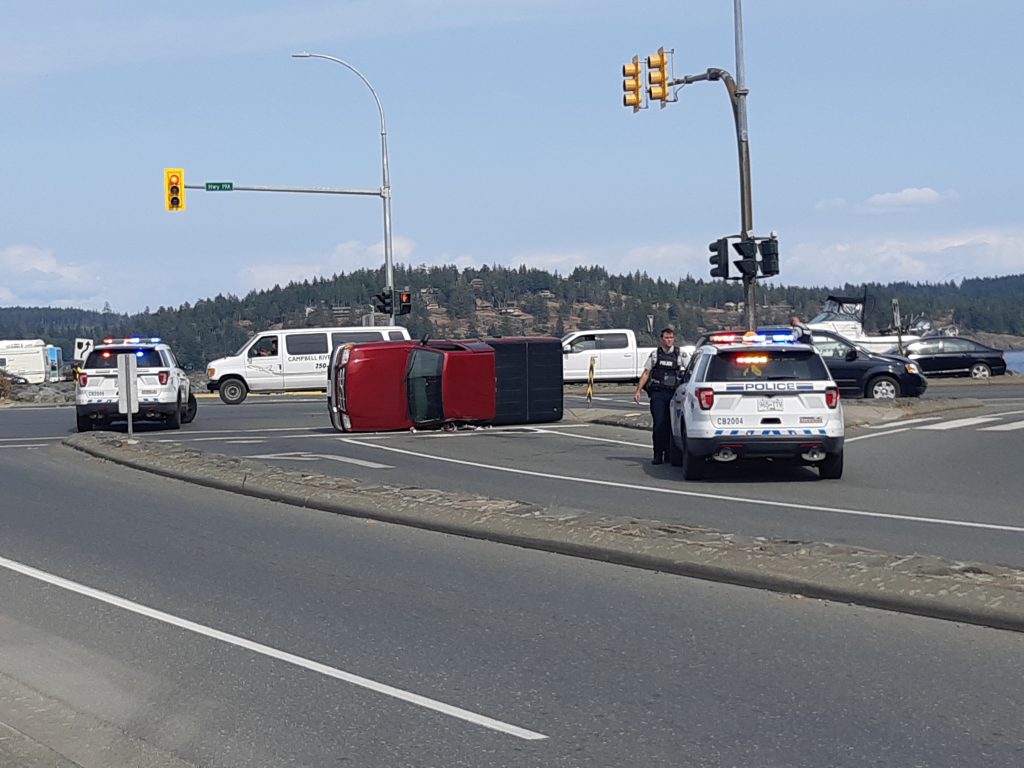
(657, 76)
(747, 263)
(383, 302)
(769, 256)
(404, 302)
(633, 84)
(174, 189)
(720, 259)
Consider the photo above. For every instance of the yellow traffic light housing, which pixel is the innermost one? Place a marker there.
(174, 189)
(658, 77)
(633, 84)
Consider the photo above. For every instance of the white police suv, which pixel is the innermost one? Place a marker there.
(757, 395)
(164, 390)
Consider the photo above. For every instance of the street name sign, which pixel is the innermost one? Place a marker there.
(220, 186)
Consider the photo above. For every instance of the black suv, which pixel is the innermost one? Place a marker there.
(860, 373)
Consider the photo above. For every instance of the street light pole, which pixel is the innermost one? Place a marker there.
(385, 190)
(746, 206)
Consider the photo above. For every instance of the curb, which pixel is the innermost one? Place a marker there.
(929, 586)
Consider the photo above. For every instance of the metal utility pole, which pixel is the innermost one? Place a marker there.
(739, 105)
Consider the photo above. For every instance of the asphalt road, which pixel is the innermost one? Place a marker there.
(946, 484)
(611, 666)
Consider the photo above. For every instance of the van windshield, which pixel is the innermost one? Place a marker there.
(423, 384)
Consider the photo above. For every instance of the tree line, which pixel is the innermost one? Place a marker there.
(501, 300)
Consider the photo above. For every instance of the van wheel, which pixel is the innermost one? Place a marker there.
(173, 419)
(233, 391)
(84, 424)
(883, 388)
(831, 467)
(190, 410)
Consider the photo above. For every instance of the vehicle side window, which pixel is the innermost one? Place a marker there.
(306, 343)
(171, 362)
(424, 386)
(924, 348)
(956, 345)
(583, 344)
(265, 347)
(612, 341)
(831, 348)
(352, 337)
(701, 367)
(396, 336)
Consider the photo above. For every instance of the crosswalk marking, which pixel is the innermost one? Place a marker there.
(957, 423)
(1004, 427)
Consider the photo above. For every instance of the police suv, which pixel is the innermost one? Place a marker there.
(757, 395)
(164, 389)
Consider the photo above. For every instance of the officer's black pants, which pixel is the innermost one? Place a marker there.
(660, 400)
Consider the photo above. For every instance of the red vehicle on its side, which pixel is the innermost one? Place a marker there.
(382, 386)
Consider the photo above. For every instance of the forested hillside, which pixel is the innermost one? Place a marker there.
(448, 301)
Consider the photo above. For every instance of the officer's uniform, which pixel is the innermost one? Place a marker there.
(666, 371)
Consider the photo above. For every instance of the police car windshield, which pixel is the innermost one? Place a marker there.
(739, 364)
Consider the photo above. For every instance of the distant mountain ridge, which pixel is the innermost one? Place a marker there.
(448, 301)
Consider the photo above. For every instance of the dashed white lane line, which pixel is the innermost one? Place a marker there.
(957, 423)
(273, 653)
(695, 494)
(1003, 427)
(906, 423)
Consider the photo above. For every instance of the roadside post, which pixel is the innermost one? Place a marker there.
(590, 380)
(127, 387)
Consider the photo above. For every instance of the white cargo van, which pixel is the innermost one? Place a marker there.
(287, 360)
(33, 359)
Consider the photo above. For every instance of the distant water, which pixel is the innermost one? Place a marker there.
(1015, 360)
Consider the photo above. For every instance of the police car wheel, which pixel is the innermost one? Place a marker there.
(693, 466)
(675, 454)
(173, 419)
(84, 424)
(190, 410)
(831, 467)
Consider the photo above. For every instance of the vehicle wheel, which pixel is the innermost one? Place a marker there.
(675, 454)
(190, 410)
(84, 424)
(883, 388)
(831, 467)
(173, 419)
(693, 466)
(233, 391)
(980, 371)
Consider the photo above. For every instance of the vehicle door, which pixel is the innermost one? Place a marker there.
(927, 354)
(305, 360)
(617, 360)
(846, 365)
(263, 368)
(178, 375)
(957, 355)
(577, 355)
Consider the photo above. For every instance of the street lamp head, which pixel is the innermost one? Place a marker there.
(303, 55)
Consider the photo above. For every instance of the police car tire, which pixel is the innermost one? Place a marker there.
(831, 467)
(233, 391)
(190, 410)
(173, 419)
(84, 424)
(693, 466)
(675, 454)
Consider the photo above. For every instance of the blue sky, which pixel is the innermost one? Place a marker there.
(884, 135)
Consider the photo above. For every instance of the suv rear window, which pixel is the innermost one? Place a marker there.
(146, 357)
(766, 365)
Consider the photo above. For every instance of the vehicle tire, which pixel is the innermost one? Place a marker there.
(980, 371)
(173, 419)
(233, 391)
(675, 454)
(190, 409)
(84, 423)
(831, 467)
(693, 466)
(883, 388)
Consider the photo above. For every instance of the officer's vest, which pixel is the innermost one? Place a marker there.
(666, 373)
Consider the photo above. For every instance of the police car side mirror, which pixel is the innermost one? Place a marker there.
(851, 355)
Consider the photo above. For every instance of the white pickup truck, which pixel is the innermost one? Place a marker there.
(616, 355)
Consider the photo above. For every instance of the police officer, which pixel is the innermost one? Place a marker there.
(663, 372)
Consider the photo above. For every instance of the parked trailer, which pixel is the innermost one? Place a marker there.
(33, 359)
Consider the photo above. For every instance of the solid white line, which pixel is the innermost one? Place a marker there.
(907, 423)
(16, 439)
(595, 439)
(303, 456)
(1004, 427)
(25, 445)
(274, 653)
(876, 434)
(957, 423)
(697, 494)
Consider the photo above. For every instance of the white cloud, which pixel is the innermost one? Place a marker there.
(907, 199)
(33, 276)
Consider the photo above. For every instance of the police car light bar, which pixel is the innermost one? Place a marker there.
(133, 340)
(754, 337)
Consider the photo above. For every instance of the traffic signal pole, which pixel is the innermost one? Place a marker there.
(738, 96)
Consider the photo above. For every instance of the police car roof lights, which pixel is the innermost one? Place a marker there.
(133, 340)
(754, 337)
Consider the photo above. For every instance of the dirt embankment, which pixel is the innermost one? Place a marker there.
(1004, 341)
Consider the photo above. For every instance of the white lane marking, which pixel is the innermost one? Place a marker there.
(595, 439)
(16, 439)
(25, 445)
(250, 441)
(907, 423)
(876, 434)
(302, 456)
(698, 494)
(274, 653)
(1003, 427)
(957, 423)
